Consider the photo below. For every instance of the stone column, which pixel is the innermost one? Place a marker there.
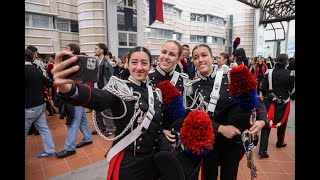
(92, 23)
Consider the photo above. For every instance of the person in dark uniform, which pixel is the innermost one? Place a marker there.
(276, 91)
(165, 70)
(239, 56)
(137, 107)
(167, 61)
(222, 109)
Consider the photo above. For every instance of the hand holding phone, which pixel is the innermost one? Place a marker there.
(88, 71)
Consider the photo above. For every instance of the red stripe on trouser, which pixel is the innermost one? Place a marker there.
(271, 115)
(114, 166)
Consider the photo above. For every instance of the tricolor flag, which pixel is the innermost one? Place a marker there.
(155, 11)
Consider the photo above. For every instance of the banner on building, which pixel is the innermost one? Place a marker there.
(155, 11)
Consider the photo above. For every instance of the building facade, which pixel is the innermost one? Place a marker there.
(123, 24)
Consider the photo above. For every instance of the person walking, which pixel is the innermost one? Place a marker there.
(35, 105)
(276, 89)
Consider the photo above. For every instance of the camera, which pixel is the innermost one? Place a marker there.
(88, 71)
(273, 98)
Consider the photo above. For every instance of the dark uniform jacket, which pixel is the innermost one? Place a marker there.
(282, 84)
(204, 86)
(100, 100)
(160, 75)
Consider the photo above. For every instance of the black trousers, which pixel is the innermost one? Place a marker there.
(265, 132)
(139, 167)
(226, 153)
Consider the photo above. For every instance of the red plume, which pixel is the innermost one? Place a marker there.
(241, 81)
(236, 43)
(197, 132)
(169, 91)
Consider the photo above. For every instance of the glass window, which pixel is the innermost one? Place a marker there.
(177, 36)
(122, 39)
(193, 17)
(26, 20)
(210, 19)
(168, 8)
(127, 19)
(201, 18)
(153, 32)
(168, 34)
(177, 12)
(132, 40)
(120, 19)
(41, 21)
(62, 24)
(160, 33)
(74, 26)
(193, 38)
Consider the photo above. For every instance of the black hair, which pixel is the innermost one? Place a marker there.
(28, 55)
(139, 49)
(282, 59)
(185, 45)
(75, 48)
(103, 47)
(109, 54)
(32, 48)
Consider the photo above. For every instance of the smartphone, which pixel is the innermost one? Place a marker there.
(89, 68)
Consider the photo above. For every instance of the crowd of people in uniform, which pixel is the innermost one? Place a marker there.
(147, 122)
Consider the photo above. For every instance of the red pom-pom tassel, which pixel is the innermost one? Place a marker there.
(197, 132)
(169, 92)
(241, 81)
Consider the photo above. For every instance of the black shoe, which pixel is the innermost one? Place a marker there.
(80, 145)
(281, 145)
(264, 155)
(65, 153)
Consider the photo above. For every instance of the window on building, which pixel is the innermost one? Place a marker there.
(220, 21)
(127, 39)
(122, 39)
(159, 33)
(177, 12)
(198, 39)
(168, 8)
(62, 24)
(74, 26)
(67, 25)
(210, 18)
(177, 36)
(132, 40)
(38, 21)
(193, 17)
(127, 19)
(201, 18)
(129, 3)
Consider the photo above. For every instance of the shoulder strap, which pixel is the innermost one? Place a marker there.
(174, 78)
(270, 79)
(214, 96)
(133, 135)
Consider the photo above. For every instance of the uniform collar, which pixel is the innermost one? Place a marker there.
(136, 82)
(163, 73)
(211, 76)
